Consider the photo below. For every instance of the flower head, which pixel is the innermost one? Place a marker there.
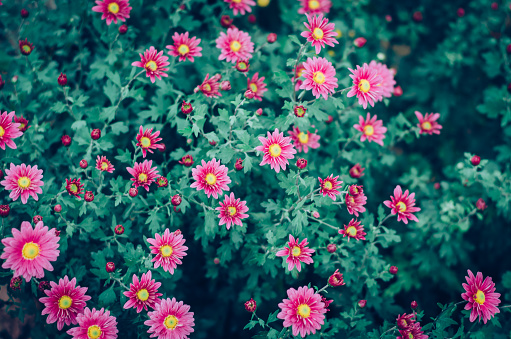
(113, 10)
(366, 85)
(371, 129)
(104, 165)
(481, 204)
(95, 325)
(186, 107)
(240, 6)
(481, 297)
(143, 174)
(211, 177)
(355, 200)
(315, 6)
(26, 47)
(319, 76)
(9, 130)
(242, 65)
(296, 253)
(336, 279)
(257, 86)
(210, 86)
(186, 160)
(148, 140)
(23, 123)
(74, 187)
(303, 141)
(356, 171)
(185, 47)
(320, 32)
(388, 82)
(353, 230)
(23, 181)
(170, 320)
(251, 305)
(232, 210)
(169, 250)
(143, 292)
(402, 205)
(329, 186)
(234, 45)
(428, 123)
(277, 149)
(154, 63)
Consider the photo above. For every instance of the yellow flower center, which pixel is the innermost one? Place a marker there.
(304, 310)
(30, 251)
(368, 130)
(296, 251)
(151, 65)
(94, 332)
(479, 297)
(275, 150)
(352, 231)
(104, 165)
(65, 302)
(113, 8)
(2, 131)
(166, 251)
(300, 72)
(73, 188)
(327, 185)
(364, 85)
(235, 46)
(253, 87)
(23, 182)
(263, 3)
(143, 294)
(426, 125)
(317, 33)
(232, 210)
(410, 335)
(142, 177)
(313, 4)
(206, 88)
(236, 1)
(170, 322)
(210, 179)
(318, 77)
(183, 49)
(401, 206)
(303, 137)
(22, 126)
(145, 142)
(26, 48)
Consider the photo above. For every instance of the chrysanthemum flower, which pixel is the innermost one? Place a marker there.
(170, 320)
(29, 252)
(23, 181)
(320, 32)
(481, 297)
(8, 130)
(211, 177)
(257, 86)
(240, 6)
(154, 63)
(104, 165)
(232, 210)
(405, 321)
(185, 47)
(23, 123)
(143, 292)
(366, 85)
(186, 160)
(413, 331)
(357, 171)
(304, 311)
(402, 205)
(319, 76)
(209, 87)
(113, 10)
(95, 325)
(277, 149)
(26, 47)
(428, 123)
(143, 174)
(304, 141)
(355, 200)
(148, 140)
(315, 6)
(296, 253)
(353, 230)
(371, 129)
(388, 82)
(169, 250)
(329, 186)
(63, 302)
(74, 187)
(234, 45)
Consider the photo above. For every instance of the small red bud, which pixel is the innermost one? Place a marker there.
(57, 208)
(89, 196)
(437, 185)
(251, 305)
(225, 85)
(119, 229)
(414, 305)
(177, 210)
(475, 160)
(176, 200)
(186, 107)
(238, 165)
(388, 18)
(24, 13)
(226, 21)
(133, 192)
(4, 210)
(315, 214)
(330, 119)
(417, 16)
(162, 182)
(95, 134)
(249, 94)
(163, 149)
(37, 219)
(177, 232)
(494, 6)
(398, 91)
(360, 42)
(272, 37)
(83, 163)
(110, 267)
(259, 111)
(66, 140)
(252, 19)
(216, 261)
(123, 29)
(362, 303)
(393, 270)
(460, 12)
(212, 142)
(62, 79)
(481, 204)
(301, 163)
(300, 111)
(331, 248)
(187, 160)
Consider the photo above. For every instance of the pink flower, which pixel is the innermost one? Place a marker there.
(170, 320)
(357, 171)
(104, 165)
(277, 149)
(257, 86)
(154, 63)
(240, 6)
(63, 302)
(355, 200)
(147, 140)
(24, 181)
(185, 47)
(234, 45)
(113, 10)
(8, 130)
(296, 253)
(95, 324)
(428, 123)
(143, 293)
(304, 311)
(481, 297)
(29, 252)
(315, 6)
(388, 82)
(209, 87)
(232, 210)
(353, 230)
(329, 186)
(366, 85)
(143, 174)
(211, 177)
(320, 32)
(402, 205)
(74, 187)
(319, 76)
(169, 250)
(302, 141)
(371, 129)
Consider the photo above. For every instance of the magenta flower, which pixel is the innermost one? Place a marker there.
(366, 85)
(210, 86)
(234, 45)
(143, 293)
(8, 130)
(240, 6)
(143, 174)
(113, 10)
(148, 140)
(315, 6)
(232, 210)
(303, 141)
(320, 32)
(353, 230)
(481, 297)
(185, 47)
(211, 177)
(169, 250)
(428, 123)
(153, 62)
(319, 76)
(355, 200)
(277, 150)
(371, 129)
(296, 252)
(303, 311)
(63, 302)
(402, 205)
(104, 165)
(170, 320)
(257, 86)
(95, 325)
(388, 82)
(23, 181)
(329, 186)
(29, 252)
(74, 187)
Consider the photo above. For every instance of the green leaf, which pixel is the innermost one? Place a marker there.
(294, 39)
(111, 91)
(108, 297)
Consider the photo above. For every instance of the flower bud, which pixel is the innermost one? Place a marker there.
(57, 208)
(259, 111)
(4, 210)
(475, 160)
(24, 13)
(186, 107)
(14, 79)
(119, 229)
(163, 148)
(177, 232)
(271, 38)
(481, 204)
(123, 29)
(226, 21)
(252, 19)
(83, 163)
(336, 279)
(249, 94)
(216, 261)
(95, 134)
(494, 6)
(133, 192)
(393, 270)
(43, 285)
(62, 79)
(66, 140)
(362, 303)
(162, 182)
(360, 42)
(110, 267)
(225, 85)
(15, 283)
(187, 160)
(238, 165)
(315, 214)
(176, 200)
(331, 248)
(414, 305)
(330, 119)
(89, 196)
(251, 305)
(242, 65)
(300, 111)
(57, 232)
(437, 185)
(460, 12)
(356, 171)
(37, 218)
(388, 18)
(212, 142)
(398, 91)
(417, 16)
(301, 163)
